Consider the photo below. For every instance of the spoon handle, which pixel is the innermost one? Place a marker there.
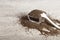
(45, 16)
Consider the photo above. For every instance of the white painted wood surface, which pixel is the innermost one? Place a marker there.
(9, 10)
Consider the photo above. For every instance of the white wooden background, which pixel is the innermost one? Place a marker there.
(10, 9)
